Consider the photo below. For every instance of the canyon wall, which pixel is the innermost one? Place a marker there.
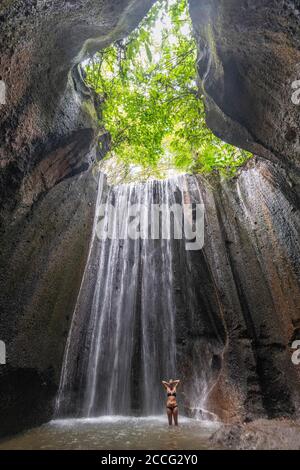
(248, 61)
(252, 244)
(248, 58)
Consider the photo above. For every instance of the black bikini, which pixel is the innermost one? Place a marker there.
(171, 406)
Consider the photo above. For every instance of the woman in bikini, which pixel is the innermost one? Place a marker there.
(172, 407)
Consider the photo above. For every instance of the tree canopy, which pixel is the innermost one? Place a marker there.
(151, 105)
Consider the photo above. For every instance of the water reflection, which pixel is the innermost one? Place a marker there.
(116, 433)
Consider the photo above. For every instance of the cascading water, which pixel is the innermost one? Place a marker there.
(136, 300)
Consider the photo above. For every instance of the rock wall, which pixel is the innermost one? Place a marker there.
(48, 130)
(249, 56)
(252, 244)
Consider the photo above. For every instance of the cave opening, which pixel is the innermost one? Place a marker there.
(150, 106)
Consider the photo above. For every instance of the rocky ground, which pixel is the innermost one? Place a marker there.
(261, 434)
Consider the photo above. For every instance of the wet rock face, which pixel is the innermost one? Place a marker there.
(249, 56)
(252, 244)
(42, 259)
(277, 434)
(47, 138)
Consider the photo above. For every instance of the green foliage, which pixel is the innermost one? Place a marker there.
(150, 101)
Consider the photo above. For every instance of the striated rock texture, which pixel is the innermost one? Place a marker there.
(277, 434)
(42, 260)
(249, 56)
(47, 138)
(252, 244)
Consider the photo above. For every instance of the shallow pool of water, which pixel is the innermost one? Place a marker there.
(116, 433)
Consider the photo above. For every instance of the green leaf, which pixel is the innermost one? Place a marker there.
(151, 108)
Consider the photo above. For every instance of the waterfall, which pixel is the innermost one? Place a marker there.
(123, 340)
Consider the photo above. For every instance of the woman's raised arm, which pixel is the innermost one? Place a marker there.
(165, 384)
